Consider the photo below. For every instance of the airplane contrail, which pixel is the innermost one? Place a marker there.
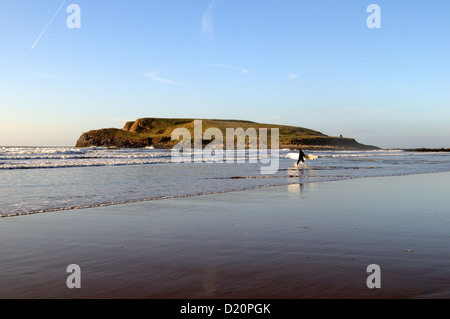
(42, 33)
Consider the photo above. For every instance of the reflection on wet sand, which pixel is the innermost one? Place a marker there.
(304, 240)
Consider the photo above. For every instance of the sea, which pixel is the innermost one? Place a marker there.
(51, 179)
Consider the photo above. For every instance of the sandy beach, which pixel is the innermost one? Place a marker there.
(312, 240)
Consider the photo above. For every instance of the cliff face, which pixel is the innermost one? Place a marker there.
(111, 137)
(114, 137)
(157, 132)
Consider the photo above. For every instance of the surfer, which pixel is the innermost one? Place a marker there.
(301, 157)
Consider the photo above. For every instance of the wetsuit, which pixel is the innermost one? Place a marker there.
(301, 156)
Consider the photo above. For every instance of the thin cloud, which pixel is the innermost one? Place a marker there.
(293, 76)
(207, 21)
(225, 66)
(155, 77)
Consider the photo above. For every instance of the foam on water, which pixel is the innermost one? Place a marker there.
(46, 179)
(28, 157)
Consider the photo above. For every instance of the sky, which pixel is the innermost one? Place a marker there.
(309, 63)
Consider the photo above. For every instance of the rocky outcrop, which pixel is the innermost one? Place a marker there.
(109, 138)
(114, 137)
(426, 150)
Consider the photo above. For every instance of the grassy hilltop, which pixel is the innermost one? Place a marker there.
(157, 132)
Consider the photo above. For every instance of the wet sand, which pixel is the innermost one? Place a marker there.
(297, 241)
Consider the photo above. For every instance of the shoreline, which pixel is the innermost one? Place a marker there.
(311, 240)
(56, 210)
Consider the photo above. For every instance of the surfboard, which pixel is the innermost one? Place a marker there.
(294, 156)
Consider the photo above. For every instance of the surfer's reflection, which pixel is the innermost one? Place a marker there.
(300, 189)
(295, 189)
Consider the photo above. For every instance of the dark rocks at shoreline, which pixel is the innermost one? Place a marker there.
(427, 149)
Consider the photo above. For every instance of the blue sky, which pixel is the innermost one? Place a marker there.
(314, 64)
